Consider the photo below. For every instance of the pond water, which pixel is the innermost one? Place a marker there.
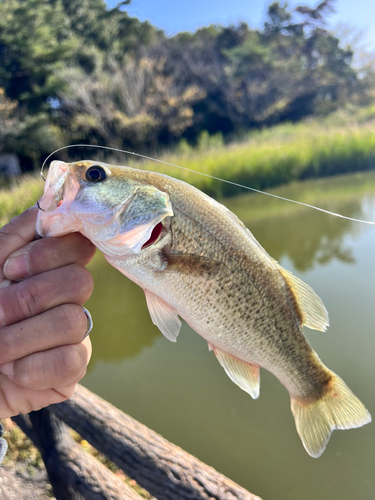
(180, 390)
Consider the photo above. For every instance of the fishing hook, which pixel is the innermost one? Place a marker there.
(40, 208)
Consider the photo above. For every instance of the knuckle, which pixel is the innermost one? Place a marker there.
(84, 249)
(28, 405)
(72, 364)
(83, 281)
(4, 231)
(8, 406)
(66, 392)
(26, 299)
(10, 231)
(9, 342)
(71, 321)
(88, 281)
(24, 376)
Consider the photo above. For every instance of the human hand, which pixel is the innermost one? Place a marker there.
(42, 323)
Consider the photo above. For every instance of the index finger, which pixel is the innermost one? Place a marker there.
(16, 234)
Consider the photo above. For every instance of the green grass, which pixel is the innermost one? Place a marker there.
(19, 196)
(341, 143)
(277, 156)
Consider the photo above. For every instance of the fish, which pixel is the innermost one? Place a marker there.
(197, 261)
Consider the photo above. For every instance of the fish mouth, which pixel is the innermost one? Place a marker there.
(55, 186)
(59, 193)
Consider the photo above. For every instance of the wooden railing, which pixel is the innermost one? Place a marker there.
(163, 469)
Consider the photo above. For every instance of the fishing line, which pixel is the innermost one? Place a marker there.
(204, 175)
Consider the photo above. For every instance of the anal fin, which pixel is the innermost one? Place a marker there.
(163, 316)
(245, 375)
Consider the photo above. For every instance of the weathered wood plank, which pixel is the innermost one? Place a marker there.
(162, 468)
(73, 473)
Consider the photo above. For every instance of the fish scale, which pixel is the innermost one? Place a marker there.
(244, 310)
(205, 266)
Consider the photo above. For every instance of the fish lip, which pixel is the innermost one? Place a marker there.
(44, 226)
(54, 190)
(59, 193)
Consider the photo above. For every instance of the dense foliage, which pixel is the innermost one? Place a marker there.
(76, 71)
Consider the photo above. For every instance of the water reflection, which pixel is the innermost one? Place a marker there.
(122, 323)
(305, 236)
(308, 238)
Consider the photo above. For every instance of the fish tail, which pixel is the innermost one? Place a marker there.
(338, 408)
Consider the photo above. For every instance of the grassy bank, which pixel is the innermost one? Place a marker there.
(341, 143)
(281, 154)
(22, 194)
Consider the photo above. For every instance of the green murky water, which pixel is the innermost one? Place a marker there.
(180, 391)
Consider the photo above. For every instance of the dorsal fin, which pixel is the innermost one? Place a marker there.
(314, 314)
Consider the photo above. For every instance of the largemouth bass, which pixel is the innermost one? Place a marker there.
(195, 259)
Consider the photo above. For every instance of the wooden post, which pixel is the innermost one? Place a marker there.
(73, 473)
(163, 469)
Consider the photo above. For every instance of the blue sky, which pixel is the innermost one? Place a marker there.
(187, 15)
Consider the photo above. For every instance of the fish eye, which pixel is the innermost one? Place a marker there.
(96, 173)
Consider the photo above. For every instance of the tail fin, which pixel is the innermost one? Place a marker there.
(338, 408)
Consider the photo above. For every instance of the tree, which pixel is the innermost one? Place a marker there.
(77, 70)
(38, 41)
(136, 105)
(35, 42)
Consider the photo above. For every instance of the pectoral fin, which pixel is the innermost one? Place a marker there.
(241, 373)
(163, 316)
(314, 314)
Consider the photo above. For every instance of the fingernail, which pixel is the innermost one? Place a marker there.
(16, 267)
(7, 369)
(5, 283)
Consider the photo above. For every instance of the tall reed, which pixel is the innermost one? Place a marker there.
(338, 144)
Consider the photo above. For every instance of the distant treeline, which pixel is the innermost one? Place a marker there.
(75, 71)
